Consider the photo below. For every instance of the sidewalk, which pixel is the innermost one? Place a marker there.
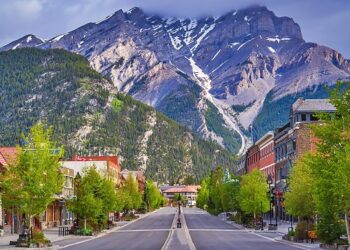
(282, 229)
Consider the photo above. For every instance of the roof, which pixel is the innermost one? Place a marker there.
(186, 189)
(313, 105)
(113, 159)
(7, 154)
(267, 137)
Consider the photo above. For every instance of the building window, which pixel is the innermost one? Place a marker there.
(303, 117)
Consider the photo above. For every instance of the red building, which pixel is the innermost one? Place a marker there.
(267, 154)
(253, 158)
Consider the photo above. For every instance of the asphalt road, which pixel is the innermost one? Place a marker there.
(206, 231)
(147, 233)
(209, 232)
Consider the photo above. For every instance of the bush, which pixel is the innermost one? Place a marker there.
(291, 234)
(39, 238)
(302, 228)
(85, 231)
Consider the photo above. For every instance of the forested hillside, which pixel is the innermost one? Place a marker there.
(88, 115)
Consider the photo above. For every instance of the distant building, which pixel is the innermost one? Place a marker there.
(189, 192)
(107, 166)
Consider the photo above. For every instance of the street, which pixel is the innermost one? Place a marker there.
(146, 233)
(151, 232)
(209, 232)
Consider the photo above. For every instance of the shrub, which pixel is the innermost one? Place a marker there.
(85, 231)
(291, 234)
(38, 237)
(302, 228)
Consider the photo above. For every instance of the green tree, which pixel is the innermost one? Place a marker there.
(32, 181)
(132, 196)
(153, 197)
(203, 194)
(330, 167)
(299, 200)
(95, 199)
(230, 195)
(252, 193)
(179, 197)
(216, 190)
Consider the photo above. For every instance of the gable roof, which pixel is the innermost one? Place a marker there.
(313, 105)
(7, 155)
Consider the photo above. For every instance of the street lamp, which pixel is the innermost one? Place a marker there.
(269, 182)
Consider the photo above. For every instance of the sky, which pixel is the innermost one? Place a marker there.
(323, 21)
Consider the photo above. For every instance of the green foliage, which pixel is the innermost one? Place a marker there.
(299, 201)
(153, 197)
(179, 197)
(117, 105)
(216, 189)
(252, 195)
(327, 171)
(230, 194)
(218, 194)
(38, 237)
(203, 194)
(32, 181)
(332, 163)
(95, 199)
(131, 196)
(302, 228)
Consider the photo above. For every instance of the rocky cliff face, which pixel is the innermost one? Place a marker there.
(211, 74)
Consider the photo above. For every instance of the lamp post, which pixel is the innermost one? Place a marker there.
(269, 182)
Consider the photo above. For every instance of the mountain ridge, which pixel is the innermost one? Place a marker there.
(205, 65)
(89, 116)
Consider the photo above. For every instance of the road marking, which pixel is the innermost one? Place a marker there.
(279, 241)
(141, 230)
(112, 231)
(216, 230)
(187, 233)
(171, 232)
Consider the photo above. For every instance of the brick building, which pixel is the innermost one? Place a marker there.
(267, 154)
(253, 158)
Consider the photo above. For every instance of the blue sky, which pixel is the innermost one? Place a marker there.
(323, 21)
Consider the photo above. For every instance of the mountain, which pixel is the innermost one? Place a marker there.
(89, 116)
(212, 74)
(24, 42)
